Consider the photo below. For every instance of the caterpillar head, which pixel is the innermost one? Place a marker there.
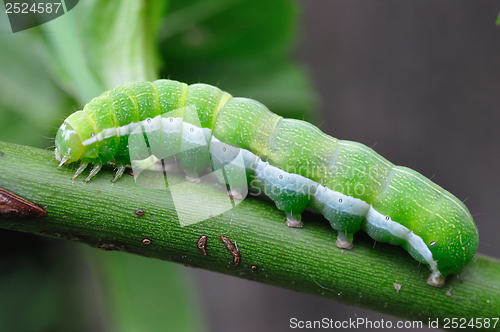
(69, 147)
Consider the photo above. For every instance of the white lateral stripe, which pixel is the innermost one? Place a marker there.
(249, 158)
(378, 220)
(322, 195)
(340, 202)
(127, 129)
(284, 180)
(167, 126)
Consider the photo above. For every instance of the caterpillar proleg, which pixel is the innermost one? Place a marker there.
(291, 161)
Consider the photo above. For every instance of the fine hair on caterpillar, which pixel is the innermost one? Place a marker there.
(291, 161)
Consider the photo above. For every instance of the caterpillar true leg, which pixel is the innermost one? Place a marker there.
(94, 170)
(79, 170)
(119, 172)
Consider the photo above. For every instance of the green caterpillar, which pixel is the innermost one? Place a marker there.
(292, 161)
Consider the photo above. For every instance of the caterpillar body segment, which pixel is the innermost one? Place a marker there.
(291, 161)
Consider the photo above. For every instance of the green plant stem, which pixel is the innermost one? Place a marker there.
(106, 216)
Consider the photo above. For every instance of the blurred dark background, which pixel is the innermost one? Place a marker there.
(420, 83)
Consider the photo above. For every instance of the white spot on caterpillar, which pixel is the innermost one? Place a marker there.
(68, 133)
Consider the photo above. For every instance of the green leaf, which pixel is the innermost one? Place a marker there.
(277, 82)
(44, 286)
(31, 104)
(102, 44)
(240, 48)
(67, 60)
(147, 294)
(120, 38)
(223, 29)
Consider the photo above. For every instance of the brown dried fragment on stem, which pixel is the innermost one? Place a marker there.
(13, 206)
(202, 243)
(232, 249)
